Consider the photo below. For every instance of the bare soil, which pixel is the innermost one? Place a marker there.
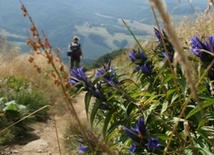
(47, 138)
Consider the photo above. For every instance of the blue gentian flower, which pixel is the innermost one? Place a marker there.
(141, 138)
(140, 127)
(137, 55)
(165, 48)
(99, 73)
(167, 56)
(73, 81)
(147, 69)
(201, 49)
(153, 144)
(143, 56)
(104, 107)
(132, 148)
(158, 35)
(138, 132)
(132, 134)
(107, 74)
(140, 60)
(210, 43)
(132, 56)
(205, 51)
(89, 144)
(82, 149)
(197, 45)
(97, 92)
(79, 74)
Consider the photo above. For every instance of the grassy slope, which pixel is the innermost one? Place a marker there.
(202, 26)
(63, 19)
(185, 31)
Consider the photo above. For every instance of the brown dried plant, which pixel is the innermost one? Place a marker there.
(209, 4)
(58, 72)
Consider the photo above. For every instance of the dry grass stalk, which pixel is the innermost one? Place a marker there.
(210, 3)
(180, 56)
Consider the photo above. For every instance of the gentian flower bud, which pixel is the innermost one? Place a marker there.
(153, 144)
(132, 56)
(104, 107)
(138, 132)
(82, 149)
(132, 148)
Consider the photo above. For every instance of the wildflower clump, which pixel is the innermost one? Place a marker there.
(157, 98)
(171, 118)
(204, 50)
(141, 138)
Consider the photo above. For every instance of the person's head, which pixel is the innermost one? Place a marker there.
(75, 39)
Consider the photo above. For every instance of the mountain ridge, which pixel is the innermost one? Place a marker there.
(97, 23)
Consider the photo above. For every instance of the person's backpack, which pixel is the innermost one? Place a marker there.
(75, 51)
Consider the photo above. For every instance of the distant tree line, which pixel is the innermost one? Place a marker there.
(98, 39)
(120, 44)
(103, 59)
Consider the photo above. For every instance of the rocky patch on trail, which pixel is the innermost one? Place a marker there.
(37, 147)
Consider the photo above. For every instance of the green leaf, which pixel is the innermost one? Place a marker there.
(129, 82)
(167, 80)
(164, 107)
(12, 106)
(130, 108)
(201, 123)
(209, 116)
(162, 136)
(174, 97)
(106, 122)
(170, 93)
(204, 136)
(87, 101)
(112, 129)
(206, 104)
(94, 112)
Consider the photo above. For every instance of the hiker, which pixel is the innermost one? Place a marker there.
(75, 52)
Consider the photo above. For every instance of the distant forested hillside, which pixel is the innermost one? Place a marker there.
(98, 23)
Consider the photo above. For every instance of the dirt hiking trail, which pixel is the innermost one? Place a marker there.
(44, 137)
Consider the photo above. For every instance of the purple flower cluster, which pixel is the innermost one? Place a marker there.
(205, 51)
(164, 48)
(107, 75)
(83, 149)
(79, 79)
(140, 60)
(140, 136)
(91, 141)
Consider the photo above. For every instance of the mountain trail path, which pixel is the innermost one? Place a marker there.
(43, 140)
